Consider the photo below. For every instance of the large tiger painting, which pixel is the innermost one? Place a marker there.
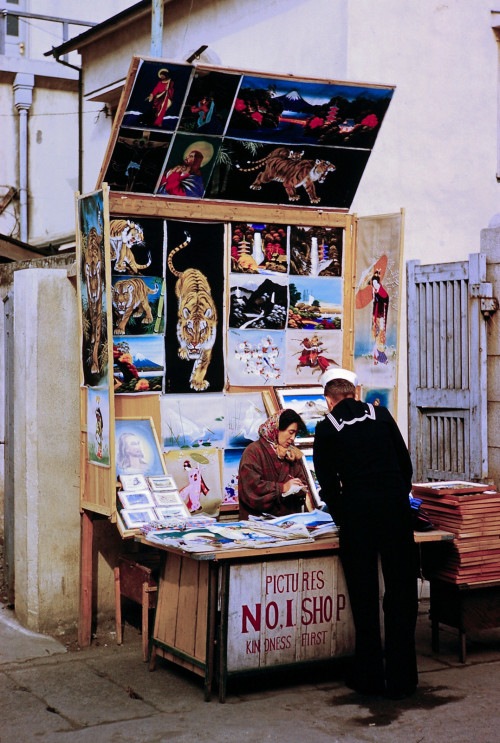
(130, 297)
(124, 235)
(93, 279)
(196, 319)
(289, 168)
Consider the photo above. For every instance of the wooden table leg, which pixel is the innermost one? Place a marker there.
(222, 634)
(118, 607)
(211, 630)
(462, 654)
(86, 569)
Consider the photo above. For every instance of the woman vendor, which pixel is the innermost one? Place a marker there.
(270, 467)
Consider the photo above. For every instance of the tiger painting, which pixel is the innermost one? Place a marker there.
(123, 236)
(196, 319)
(130, 297)
(287, 167)
(93, 279)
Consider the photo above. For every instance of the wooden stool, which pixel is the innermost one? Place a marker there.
(137, 582)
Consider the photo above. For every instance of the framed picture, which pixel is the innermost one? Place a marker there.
(309, 402)
(312, 482)
(167, 498)
(162, 483)
(137, 449)
(136, 500)
(133, 482)
(135, 518)
(168, 512)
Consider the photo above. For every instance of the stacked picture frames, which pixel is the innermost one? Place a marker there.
(199, 132)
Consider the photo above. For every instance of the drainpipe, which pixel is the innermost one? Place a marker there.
(23, 98)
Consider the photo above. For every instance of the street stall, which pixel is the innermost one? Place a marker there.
(220, 274)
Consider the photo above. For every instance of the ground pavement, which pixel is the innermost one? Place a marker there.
(106, 694)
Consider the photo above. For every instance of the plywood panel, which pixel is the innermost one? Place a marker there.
(139, 406)
(167, 603)
(185, 635)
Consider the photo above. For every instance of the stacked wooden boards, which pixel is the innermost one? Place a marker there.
(474, 518)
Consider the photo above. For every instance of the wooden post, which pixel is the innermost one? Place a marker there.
(85, 613)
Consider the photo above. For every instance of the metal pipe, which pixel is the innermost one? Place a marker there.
(156, 28)
(23, 98)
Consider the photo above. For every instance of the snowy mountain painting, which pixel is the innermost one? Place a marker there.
(295, 111)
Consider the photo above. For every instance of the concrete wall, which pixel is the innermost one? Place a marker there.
(490, 246)
(46, 440)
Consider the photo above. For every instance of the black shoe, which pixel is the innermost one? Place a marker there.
(400, 693)
(366, 689)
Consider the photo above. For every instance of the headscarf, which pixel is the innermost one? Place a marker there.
(269, 431)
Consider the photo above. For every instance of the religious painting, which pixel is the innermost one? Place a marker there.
(315, 303)
(288, 111)
(195, 307)
(309, 354)
(157, 95)
(198, 477)
(245, 413)
(252, 171)
(137, 160)
(137, 246)
(230, 476)
(316, 251)
(188, 425)
(209, 102)
(137, 450)
(137, 305)
(309, 403)
(98, 425)
(258, 248)
(257, 302)
(377, 301)
(379, 396)
(92, 289)
(189, 165)
(256, 359)
(138, 363)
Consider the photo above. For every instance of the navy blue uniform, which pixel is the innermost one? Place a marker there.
(364, 470)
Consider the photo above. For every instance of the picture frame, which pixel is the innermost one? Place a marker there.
(309, 402)
(167, 498)
(133, 483)
(137, 448)
(166, 512)
(135, 518)
(312, 482)
(162, 483)
(136, 499)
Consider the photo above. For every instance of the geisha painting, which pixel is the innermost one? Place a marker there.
(377, 298)
(198, 477)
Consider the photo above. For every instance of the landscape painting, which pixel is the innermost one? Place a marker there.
(188, 425)
(315, 303)
(244, 414)
(308, 402)
(259, 248)
(297, 111)
(316, 251)
(138, 363)
(258, 302)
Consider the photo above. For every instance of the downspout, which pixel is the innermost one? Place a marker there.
(80, 116)
(23, 98)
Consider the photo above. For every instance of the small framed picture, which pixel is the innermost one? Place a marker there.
(135, 518)
(162, 483)
(308, 401)
(167, 512)
(137, 449)
(307, 461)
(133, 483)
(136, 500)
(167, 498)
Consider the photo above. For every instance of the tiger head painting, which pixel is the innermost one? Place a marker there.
(196, 319)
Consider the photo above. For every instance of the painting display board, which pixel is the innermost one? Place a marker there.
(198, 132)
(230, 264)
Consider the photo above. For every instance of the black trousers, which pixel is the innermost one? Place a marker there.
(373, 527)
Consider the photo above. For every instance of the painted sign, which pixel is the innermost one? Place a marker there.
(287, 611)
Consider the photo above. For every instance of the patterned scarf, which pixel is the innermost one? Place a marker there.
(269, 431)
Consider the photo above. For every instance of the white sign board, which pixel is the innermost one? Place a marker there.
(287, 611)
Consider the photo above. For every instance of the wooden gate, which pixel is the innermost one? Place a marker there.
(447, 370)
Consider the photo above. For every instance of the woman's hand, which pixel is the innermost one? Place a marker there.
(295, 481)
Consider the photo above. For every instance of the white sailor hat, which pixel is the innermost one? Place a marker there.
(338, 373)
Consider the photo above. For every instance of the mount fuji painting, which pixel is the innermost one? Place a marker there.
(294, 111)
